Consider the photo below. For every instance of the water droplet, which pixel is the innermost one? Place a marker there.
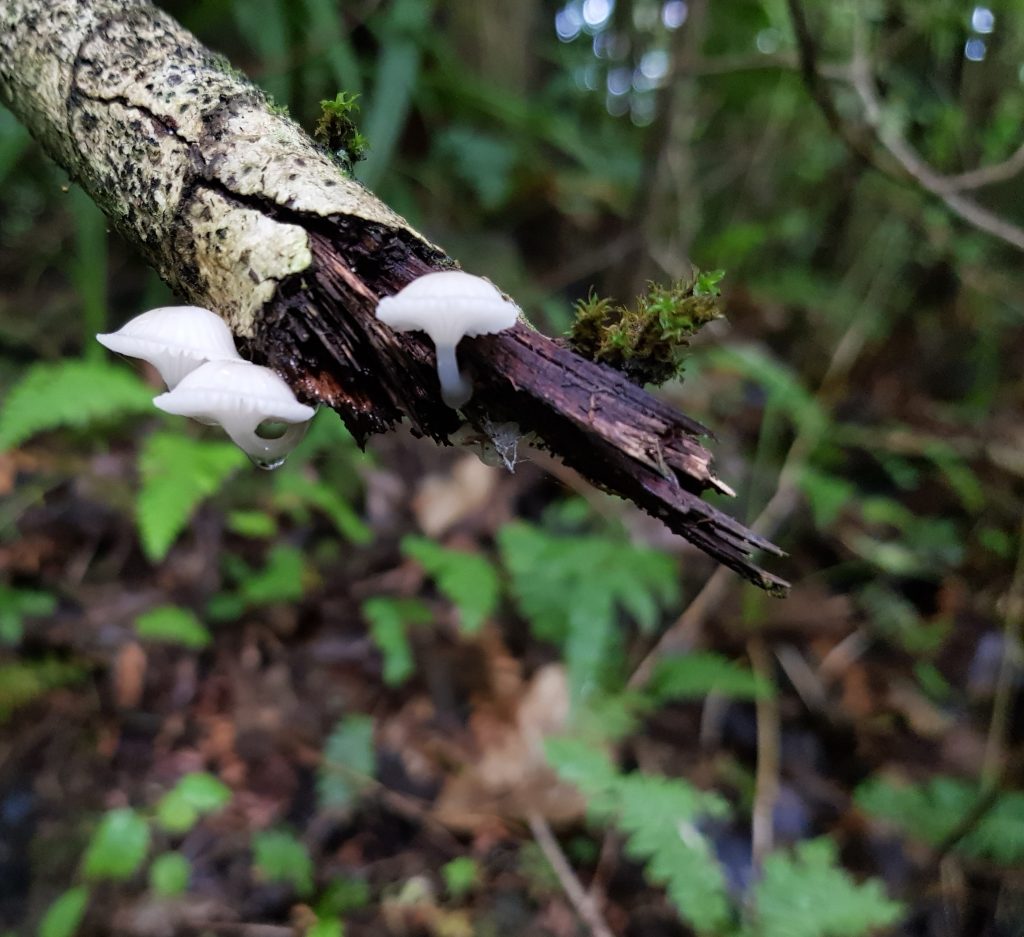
(268, 465)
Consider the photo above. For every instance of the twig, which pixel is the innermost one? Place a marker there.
(907, 163)
(1012, 166)
(581, 901)
(920, 171)
(1013, 625)
(682, 634)
(766, 790)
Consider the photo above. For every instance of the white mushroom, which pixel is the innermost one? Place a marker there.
(447, 306)
(240, 396)
(174, 339)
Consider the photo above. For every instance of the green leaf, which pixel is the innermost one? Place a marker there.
(281, 857)
(349, 762)
(571, 590)
(18, 604)
(282, 579)
(327, 927)
(177, 474)
(461, 876)
(398, 65)
(173, 625)
(69, 393)
(23, 681)
(467, 580)
(932, 811)
(779, 381)
(65, 914)
(194, 796)
(806, 895)
(659, 818)
(389, 621)
(256, 525)
(827, 494)
(342, 896)
(118, 847)
(695, 675)
(169, 874)
(295, 489)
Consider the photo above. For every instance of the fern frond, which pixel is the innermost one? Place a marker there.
(177, 474)
(807, 895)
(467, 580)
(69, 393)
(659, 817)
(695, 675)
(932, 811)
(571, 590)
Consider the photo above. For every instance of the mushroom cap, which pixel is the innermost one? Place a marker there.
(222, 390)
(174, 339)
(448, 305)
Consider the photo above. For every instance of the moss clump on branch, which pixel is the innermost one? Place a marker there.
(336, 130)
(648, 340)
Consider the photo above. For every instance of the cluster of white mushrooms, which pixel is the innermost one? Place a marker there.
(209, 381)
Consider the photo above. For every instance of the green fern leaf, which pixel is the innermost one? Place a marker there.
(284, 578)
(177, 474)
(467, 580)
(69, 393)
(695, 675)
(807, 895)
(659, 818)
(173, 625)
(23, 681)
(389, 621)
(349, 762)
(571, 589)
(932, 811)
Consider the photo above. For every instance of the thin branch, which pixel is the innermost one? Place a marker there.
(574, 891)
(1013, 626)
(766, 782)
(1012, 166)
(906, 163)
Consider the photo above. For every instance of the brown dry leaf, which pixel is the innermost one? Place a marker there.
(129, 675)
(923, 716)
(858, 701)
(510, 776)
(443, 500)
(8, 472)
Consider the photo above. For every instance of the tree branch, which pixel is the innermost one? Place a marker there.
(239, 211)
(905, 163)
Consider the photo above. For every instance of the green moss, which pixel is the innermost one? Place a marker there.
(336, 130)
(648, 340)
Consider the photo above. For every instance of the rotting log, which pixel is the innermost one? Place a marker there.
(240, 211)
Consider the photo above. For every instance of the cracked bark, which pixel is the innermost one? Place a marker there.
(239, 211)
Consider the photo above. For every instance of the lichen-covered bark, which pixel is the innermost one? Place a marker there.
(174, 146)
(241, 212)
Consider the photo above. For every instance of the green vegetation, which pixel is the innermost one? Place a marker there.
(648, 340)
(336, 130)
(342, 695)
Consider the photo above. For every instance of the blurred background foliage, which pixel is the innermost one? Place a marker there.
(287, 696)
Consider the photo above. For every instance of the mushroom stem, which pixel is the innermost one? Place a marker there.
(242, 430)
(455, 389)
